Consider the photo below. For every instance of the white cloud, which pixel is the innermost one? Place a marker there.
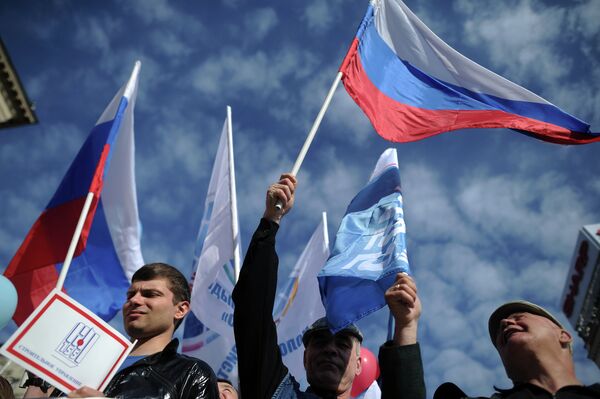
(469, 374)
(584, 19)
(158, 11)
(94, 34)
(260, 22)
(527, 33)
(528, 208)
(349, 119)
(429, 207)
(170, 44)
(258, 74)
(318, 15)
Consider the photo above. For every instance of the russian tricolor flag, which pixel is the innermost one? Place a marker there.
(108, 251)
(412, 85)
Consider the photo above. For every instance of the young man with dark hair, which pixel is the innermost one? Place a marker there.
(157, 301)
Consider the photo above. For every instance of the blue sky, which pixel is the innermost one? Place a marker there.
(491, 214)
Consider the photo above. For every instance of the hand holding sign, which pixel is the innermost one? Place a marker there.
(65, 344)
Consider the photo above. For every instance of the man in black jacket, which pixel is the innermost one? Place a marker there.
(157, 301)
(331, 361)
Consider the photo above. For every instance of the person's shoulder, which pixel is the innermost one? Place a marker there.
(190, 361)
(594, 387)
(449, 390)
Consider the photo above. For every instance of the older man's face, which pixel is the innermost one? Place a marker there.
(524, 332)
(332, 361)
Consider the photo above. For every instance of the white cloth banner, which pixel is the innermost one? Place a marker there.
(300, 304)
(214, 279)
(373, 392)
(208, 329)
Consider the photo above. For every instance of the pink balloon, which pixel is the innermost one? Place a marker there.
(369, 373)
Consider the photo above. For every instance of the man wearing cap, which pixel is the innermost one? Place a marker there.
(331, 361)
(537, 356)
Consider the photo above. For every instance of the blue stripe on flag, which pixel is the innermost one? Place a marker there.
(96, 278)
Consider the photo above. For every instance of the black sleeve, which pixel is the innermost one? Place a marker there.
(260, 367)
(202, 383)
(401, 371)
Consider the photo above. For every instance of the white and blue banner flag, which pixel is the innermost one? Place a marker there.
(208, 329)
(298, 306)
(369, 249)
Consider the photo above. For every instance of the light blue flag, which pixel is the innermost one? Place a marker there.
(369, 250)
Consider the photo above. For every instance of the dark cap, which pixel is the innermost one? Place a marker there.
(322, 325)
(515, 307)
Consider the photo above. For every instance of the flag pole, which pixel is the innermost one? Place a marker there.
(233, 196)
(90, 196)
(74, 240)
(316, 124)
(313, 130)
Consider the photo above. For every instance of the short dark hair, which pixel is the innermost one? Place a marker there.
(176, 281)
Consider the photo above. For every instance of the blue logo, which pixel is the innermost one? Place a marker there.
(76, 345)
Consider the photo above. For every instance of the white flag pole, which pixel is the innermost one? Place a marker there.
(74, 240)
(316, 124)
(233, 196)
(314, 128)
(90, 196)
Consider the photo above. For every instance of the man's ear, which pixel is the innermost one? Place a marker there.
(358, 365)
(183, 308)
(304, 359)
(565, 338)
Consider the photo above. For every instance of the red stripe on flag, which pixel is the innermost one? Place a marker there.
(32, 270)
(33, 287)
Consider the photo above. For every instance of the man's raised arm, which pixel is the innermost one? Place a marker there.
(260, 367)
(400, 359)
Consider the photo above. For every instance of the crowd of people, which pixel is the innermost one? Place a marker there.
(535, 349)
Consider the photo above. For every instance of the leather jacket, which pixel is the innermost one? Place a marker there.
(166, 375)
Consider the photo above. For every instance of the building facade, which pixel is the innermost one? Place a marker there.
(580, 300)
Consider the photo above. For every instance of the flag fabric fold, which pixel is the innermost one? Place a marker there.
(369, 249)
(412, 85)
(108, 251)
(208, 329)
(299, 305)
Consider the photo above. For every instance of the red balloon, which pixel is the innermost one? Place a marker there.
(369, 373)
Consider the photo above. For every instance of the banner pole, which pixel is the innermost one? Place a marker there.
(313, 130)
(316, 124)
(74, 240)
(233, 197)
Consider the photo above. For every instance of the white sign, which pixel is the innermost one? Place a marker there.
(65, 344)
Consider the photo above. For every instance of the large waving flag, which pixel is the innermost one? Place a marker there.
(208, 331)
(369, 249)
(108, 251)
(412, 85)
(299, 305)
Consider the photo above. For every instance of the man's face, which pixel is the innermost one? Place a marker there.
(522, 333)
(149, 309)
(332, 361)
(227, 391)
